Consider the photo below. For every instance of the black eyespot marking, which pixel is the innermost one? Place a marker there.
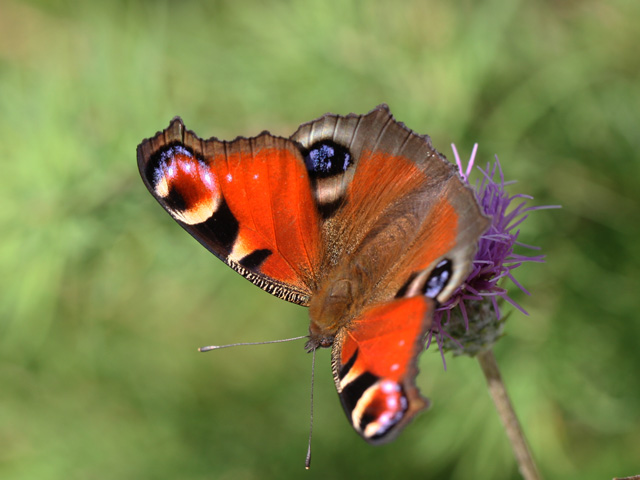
(175, 201)
(354, 390)
(326, 159)
(438, 279)
(255, 259)
(434, 284)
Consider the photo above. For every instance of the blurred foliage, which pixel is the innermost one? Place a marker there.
(104, 299)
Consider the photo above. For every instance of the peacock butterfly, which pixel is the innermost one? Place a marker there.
(356, 217)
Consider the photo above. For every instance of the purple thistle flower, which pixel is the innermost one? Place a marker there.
(470, 321)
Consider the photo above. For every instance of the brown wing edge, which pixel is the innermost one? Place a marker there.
(341, 128)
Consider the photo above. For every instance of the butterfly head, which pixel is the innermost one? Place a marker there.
(315, 342)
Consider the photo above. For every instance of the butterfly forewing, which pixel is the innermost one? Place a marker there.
(248, 201)
(374, 365)
(403, 210)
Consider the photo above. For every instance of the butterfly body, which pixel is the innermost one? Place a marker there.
(356, 217)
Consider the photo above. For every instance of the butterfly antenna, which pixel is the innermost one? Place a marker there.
(307, 462)
(218, 347)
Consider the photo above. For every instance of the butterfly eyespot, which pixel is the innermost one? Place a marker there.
(185, 184)
(438, 279)
(329, 164)
(381, 407)
(326, 159)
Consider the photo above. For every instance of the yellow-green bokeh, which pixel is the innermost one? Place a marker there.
(104, 299)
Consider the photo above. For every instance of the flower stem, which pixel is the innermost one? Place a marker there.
(507, 414)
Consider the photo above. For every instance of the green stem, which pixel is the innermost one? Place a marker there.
(507, 414)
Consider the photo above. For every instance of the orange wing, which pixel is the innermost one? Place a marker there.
(374, 366)
(248, 201)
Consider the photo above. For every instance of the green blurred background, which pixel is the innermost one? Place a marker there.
(104, 299)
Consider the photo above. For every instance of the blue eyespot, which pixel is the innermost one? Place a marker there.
(438, 279)
(326, 159)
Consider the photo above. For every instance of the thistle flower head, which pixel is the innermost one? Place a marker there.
(470, 321)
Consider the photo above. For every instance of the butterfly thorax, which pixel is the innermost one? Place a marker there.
(358, 280)
(330, 309)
